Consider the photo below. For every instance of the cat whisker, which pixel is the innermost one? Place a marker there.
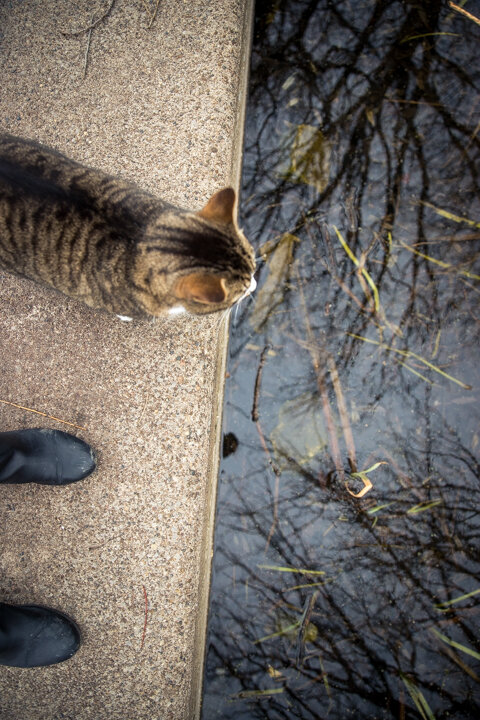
(222, 316)
(226, 314)
(247, 295)
(237, 308)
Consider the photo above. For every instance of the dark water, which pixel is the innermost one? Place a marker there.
(361, 192)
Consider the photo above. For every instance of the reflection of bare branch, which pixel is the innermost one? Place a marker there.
(332, 433)
(255, 418)
(276, 472)
(400, 118)
(258, 380)
(342, 408)
(343, 412)
(306, 615)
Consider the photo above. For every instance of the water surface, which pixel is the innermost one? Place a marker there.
(346, 568)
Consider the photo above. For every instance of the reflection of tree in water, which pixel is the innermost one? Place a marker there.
(362, 117)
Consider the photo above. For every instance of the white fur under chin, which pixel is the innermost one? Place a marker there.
(177, 310)
(250, 289)
(180, 310)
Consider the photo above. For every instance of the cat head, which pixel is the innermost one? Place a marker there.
(194, 262)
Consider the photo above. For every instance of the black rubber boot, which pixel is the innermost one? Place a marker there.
(48, 457)
(32, 636)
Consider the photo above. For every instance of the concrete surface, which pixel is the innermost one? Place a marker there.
(163, 107)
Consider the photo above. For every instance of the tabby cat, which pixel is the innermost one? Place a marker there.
(106, 242)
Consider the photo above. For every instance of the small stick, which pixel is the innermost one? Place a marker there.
(147, 9)
(152, 15)
(146, 617)
(86, 52)
(92, 24)
(50, 417)
(143, 410)
(464, 12)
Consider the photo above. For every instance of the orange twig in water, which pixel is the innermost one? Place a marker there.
(146, 618)
(464, 12)
(50, 417)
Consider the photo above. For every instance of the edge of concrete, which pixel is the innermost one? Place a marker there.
(206, 551)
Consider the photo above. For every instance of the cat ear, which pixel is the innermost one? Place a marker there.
(204, 289)
(220, 207)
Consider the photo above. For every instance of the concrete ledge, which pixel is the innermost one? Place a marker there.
(206, 551)
(160, 106)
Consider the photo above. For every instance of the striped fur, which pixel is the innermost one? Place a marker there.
(107, 243)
